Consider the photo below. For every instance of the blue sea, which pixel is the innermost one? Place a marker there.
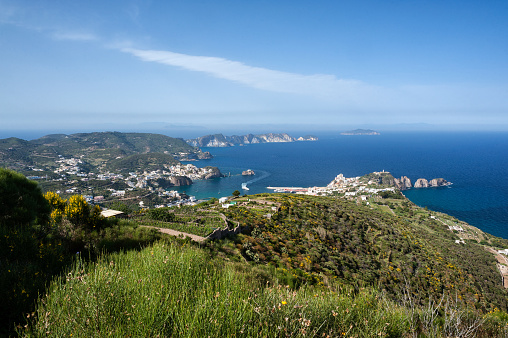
(476, 163)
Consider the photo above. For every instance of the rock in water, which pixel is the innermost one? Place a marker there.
(421, 183)
(204, 155)
(438, 182)
(403, 183)
(213, 172)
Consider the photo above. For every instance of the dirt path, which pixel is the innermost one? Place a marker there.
(502, 266)
(172, 232)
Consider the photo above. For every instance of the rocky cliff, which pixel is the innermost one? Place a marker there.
(403, 183)
(307, 138)
(213, 172)
(179, 181)
(175, 181)
(219, 140)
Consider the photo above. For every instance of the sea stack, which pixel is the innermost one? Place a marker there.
(421, 183)
(403, 183)
(438, 182)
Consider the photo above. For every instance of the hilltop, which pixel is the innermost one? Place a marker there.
(95, 149)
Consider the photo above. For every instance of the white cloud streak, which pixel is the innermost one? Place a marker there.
(73, 36)
(256, 77)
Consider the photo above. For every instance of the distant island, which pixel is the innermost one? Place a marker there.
(361, 132)
(219, 140)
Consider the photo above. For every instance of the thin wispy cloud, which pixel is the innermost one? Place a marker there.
(256, 77)
(74, 36)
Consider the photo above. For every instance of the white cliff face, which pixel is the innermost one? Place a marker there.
(276, 137)
(220, 140)
(307, 138)
(217, 143)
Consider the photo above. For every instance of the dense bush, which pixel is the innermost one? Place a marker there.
(161, 214)
(21, 201)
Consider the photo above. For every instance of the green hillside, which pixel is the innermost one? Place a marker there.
(303, 265)
(94, 149)
(315, 239)
(148, 162)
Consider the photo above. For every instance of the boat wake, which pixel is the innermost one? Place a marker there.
(264, 174)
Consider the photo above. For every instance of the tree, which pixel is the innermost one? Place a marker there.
(21, 201)
(236, 193)
(117, 205)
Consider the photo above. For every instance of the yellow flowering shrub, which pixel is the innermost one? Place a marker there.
(55, 201)
(77, 210)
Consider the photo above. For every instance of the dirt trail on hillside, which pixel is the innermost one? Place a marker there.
(502, 266)
(172, 232)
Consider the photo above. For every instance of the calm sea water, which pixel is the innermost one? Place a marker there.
(476, 163)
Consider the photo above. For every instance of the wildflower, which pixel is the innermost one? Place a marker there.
(284, 302)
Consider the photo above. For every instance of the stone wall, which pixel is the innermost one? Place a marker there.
(221, 233)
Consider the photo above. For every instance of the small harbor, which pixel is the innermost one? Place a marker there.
(288, 189)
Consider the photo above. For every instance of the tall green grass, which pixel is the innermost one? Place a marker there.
(174, 290)
(29, 262)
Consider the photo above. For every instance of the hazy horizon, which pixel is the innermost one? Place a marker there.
(295, 131)
(222, 65)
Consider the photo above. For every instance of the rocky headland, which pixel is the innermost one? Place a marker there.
(219, 140)
(212, 172)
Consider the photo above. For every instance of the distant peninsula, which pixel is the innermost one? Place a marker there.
(361, 132)
(219, 140)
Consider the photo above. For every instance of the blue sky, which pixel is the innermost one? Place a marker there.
(252, 65)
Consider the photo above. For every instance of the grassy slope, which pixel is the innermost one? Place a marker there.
(170, 290)
(317, 238)
(334, 253)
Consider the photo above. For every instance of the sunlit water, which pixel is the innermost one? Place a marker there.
(476, 163)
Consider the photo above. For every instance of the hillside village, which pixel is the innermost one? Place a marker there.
(74, 180)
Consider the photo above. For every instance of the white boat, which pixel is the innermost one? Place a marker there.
(244, 186)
